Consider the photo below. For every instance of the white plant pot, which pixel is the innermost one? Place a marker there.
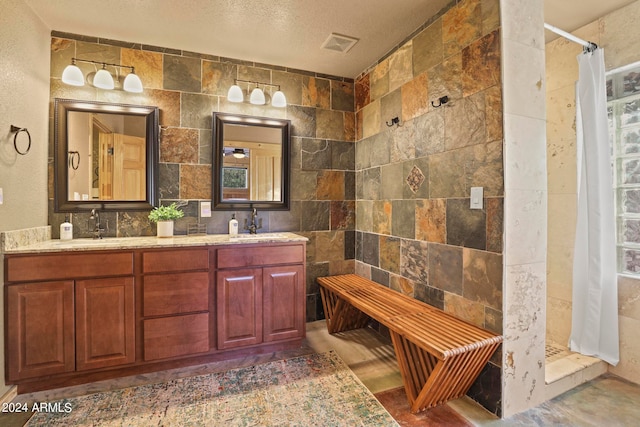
(165, 228)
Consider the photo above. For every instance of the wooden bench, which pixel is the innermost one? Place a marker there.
(439, 355)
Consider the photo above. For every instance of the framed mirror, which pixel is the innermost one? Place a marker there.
(251, 162)
(105, 156)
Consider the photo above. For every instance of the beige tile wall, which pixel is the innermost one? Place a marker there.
(616, 33)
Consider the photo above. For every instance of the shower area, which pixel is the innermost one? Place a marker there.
(563, 369)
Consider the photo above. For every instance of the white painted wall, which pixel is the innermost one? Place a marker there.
(24, 101)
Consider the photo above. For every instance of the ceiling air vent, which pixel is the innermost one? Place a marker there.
(339, 43)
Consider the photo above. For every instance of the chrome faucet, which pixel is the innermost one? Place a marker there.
(97, 230)
(253, 227)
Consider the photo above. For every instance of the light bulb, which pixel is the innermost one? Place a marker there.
(235, 94)
(132, 83)
(72, 75)
(103, 80)
(257, 97)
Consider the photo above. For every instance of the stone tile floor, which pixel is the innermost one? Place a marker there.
(607, 400)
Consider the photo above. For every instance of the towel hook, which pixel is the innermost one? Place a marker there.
(394, 121)
(17, 130)
(441, 101)
(74, 160)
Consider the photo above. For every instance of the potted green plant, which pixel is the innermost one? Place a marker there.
(164, 217)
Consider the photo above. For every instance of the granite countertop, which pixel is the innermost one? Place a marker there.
(111, 243)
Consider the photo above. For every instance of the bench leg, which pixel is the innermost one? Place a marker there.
(340, 315)
(428, 381)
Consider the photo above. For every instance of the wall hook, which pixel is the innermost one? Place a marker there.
(17, 130)
(74, 160)
(441, 101)
(394, 121)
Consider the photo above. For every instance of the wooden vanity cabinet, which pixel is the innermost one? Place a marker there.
(284, 302)
(40, 329)
(175, 303)
(239, 308)
(63, 317)
(260, 294)
(105, 323)
(80, 316)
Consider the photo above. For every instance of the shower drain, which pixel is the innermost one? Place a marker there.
(554, 352)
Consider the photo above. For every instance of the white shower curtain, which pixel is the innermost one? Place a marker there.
(594, 329)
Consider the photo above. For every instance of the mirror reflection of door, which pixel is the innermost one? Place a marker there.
(122, 167)
(112, 153)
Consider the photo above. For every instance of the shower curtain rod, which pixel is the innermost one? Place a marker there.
(587, 45)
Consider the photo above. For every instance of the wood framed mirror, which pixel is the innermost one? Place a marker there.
(251, 162)
(105, 156)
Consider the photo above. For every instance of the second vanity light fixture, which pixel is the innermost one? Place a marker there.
(102, 78)
(257, 95)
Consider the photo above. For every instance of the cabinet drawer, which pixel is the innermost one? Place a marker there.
(176, 336)
(260, 256)
(68, 266)
(175, 293)
(175, 260)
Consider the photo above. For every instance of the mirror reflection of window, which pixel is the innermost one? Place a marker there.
(234, 183)
(111, 151)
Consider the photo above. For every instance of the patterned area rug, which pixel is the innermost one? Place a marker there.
(314, 390)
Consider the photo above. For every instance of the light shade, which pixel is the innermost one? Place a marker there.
(235, 94)
(132, 83)
(238, 153)
(257, 97)
(103, 79)
(278, 99)
(72, 75)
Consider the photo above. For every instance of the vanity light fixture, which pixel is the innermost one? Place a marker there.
(103, 79)
(239, 153)
(257, 95)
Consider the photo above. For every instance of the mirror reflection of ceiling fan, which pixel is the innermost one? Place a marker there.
(238, 153)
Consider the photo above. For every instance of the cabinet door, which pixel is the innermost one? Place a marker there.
(105, 328)
(239, 303)
(40, 331)
(284, 302)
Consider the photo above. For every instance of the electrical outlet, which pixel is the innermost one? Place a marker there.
(205, 209)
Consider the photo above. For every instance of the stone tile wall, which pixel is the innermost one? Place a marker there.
(414, 230)
(188, 87)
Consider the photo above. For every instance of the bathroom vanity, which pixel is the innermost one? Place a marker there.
(87, 310)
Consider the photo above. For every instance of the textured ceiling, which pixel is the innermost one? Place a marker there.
(288, 33)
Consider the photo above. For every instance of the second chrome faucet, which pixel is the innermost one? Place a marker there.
(97, 227)
(253, 227)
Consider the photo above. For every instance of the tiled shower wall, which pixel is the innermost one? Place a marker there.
(415, 231)
(611, 32)
(188, 87)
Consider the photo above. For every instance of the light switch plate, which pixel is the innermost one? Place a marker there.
(205, 209)
(476, 197)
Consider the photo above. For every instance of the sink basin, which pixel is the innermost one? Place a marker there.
(263, 236)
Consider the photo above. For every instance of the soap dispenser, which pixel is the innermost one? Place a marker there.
(66, 229)
(233, 226)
